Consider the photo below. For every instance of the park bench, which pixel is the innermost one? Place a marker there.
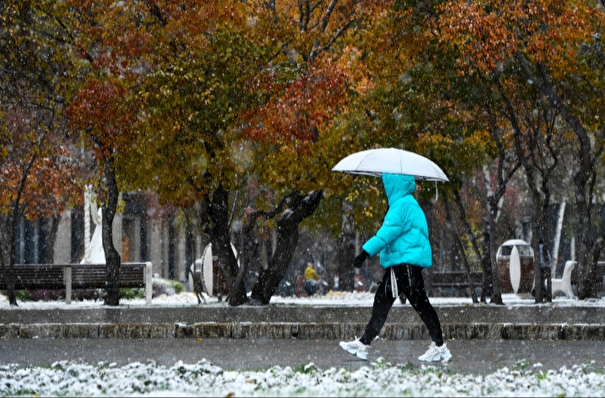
(459, 279)
(79, 276)
(563, 284)
(453, 280)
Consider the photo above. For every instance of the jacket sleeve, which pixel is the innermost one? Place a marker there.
(391, 228)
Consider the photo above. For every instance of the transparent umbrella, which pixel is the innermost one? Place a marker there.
(375, 162)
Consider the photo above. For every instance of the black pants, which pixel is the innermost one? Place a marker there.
(409, 282)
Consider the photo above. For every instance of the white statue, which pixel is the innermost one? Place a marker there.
(93, 248)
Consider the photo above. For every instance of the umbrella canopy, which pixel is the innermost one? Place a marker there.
(374, 162)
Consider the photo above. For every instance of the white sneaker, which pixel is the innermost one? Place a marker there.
(357, 348)
(436, 354)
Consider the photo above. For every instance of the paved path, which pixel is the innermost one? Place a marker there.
(469, 356)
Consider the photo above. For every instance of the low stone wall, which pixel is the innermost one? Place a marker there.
(289, 330)
(469, 314)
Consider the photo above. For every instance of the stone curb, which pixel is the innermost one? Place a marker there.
(309, 331)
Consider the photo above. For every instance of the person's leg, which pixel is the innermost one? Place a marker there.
(383, 301)
(413, 287)
(438, 350)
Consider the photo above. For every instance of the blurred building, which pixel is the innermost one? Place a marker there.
(138, 236)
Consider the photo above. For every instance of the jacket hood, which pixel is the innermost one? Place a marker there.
(397, 186)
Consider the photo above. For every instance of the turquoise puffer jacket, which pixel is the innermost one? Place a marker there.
(404, 234)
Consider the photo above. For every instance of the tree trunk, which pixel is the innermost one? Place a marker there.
(7, 255)
(460, 248)
(557, 239)
(474, 242)
(527, 142)
(299, 208)
(218, 212)
(496, 294)
(486, 268)
(540, 217)
(346, 250)
(541, 231)
(52, 238)
(507, 166)
(584, 178)
(583, 236)
(269, 278)
(112, 257)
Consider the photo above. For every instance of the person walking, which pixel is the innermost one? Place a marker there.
(404, 247)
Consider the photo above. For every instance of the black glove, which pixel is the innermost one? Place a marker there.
(361, 257)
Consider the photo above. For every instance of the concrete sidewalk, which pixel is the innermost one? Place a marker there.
(469, 356)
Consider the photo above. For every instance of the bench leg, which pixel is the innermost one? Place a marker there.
(148, 282)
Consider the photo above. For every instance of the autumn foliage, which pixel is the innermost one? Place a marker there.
(298, 110)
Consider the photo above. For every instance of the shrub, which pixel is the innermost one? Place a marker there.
(166, 286)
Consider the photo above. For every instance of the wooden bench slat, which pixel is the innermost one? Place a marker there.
(455, 279)
(36, 277)
(95, 275)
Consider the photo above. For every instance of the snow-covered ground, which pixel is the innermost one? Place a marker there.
(378, 378)
(375, 379)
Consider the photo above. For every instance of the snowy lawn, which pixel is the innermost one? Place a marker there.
(376, 379)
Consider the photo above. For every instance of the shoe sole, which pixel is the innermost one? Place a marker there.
(441, 358)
